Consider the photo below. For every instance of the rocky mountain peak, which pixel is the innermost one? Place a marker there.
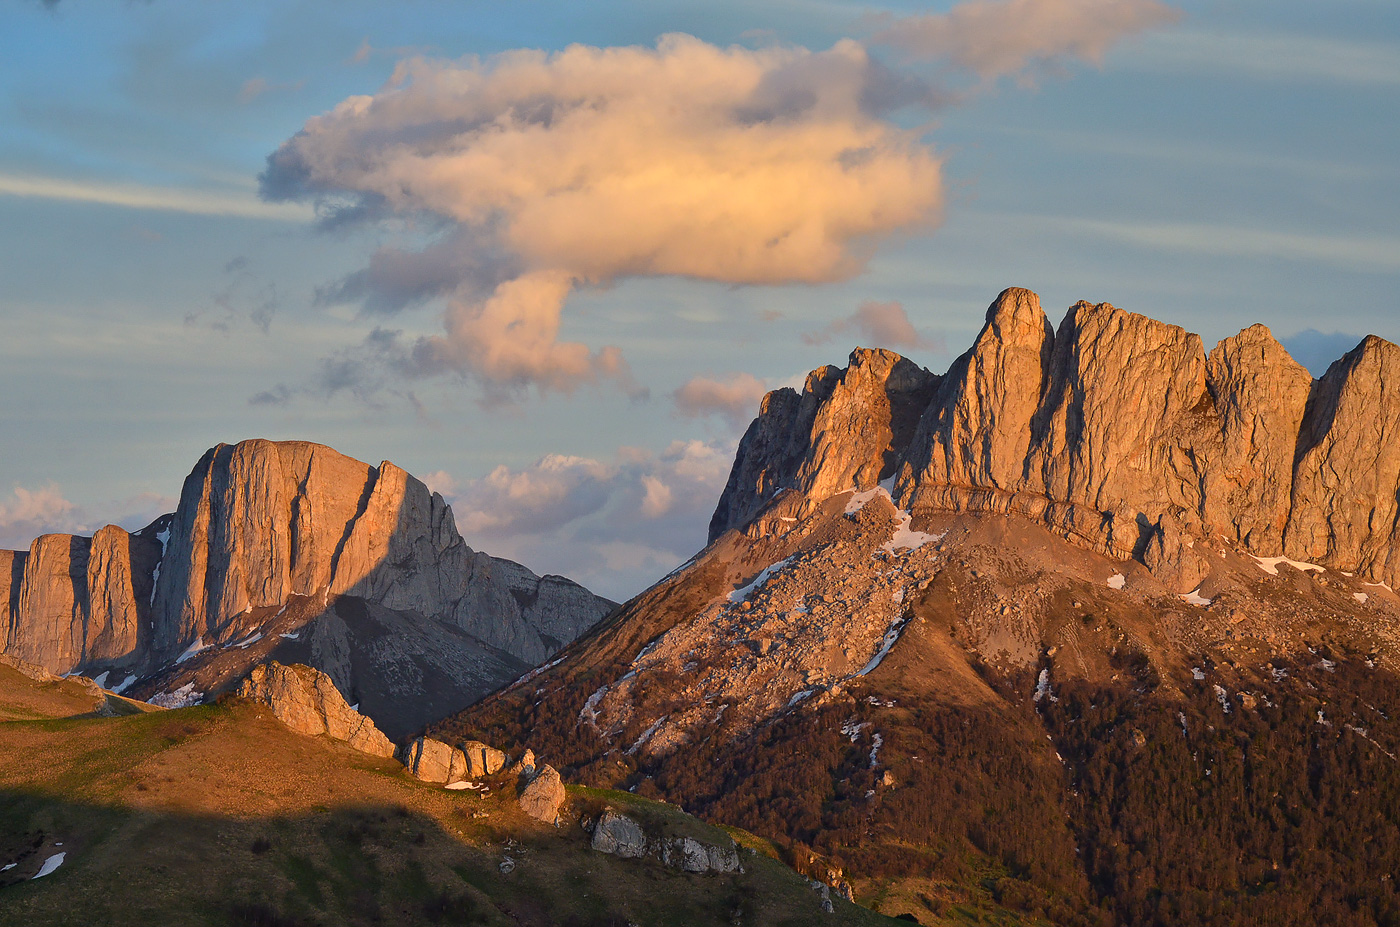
(1114, 429)
(293, 548)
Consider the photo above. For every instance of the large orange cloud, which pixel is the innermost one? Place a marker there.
(592, 164)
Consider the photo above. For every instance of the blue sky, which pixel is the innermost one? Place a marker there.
(1236, 163)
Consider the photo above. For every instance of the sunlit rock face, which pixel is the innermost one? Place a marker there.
(1114, 429)
(270, 531)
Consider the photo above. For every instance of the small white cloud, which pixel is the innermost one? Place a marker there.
(32, 512)
(1021, 38)
(883, 325)
(735, 398)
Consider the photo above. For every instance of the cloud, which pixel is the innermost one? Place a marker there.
(884, 325)
(32, 512)
(735, 398)
(1281, 58)
(616, 526)
(993, 39)
(136, 196)
(590, 165)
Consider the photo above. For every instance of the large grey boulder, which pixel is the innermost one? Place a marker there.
(543, 795)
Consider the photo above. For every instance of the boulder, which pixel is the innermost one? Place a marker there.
(619, 835)
(308, 702)
(543, 795)
(483, 760)
(431, 760)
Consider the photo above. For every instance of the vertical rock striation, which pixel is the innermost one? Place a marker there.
(1115, 429)
(259, 522)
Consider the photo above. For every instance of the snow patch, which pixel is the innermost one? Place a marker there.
(183, 697)
(249, 641)
(857, 502)
(805, 693)
(891, 636)
(1116, 581)
(8, 866)
(907, 539)
(647, 735)
(739, 595)
(589, 712)
(1223, 698)
(126, 684)
(102, 679)
(1197, 674)
(853, 727)
(876, 742)
(458, 786)
(1378, 586)
(1270, 564)
(197, 647)
(1360, 597)
(1042, 686)
(1194, 597)
(50, 864)
(290, 635)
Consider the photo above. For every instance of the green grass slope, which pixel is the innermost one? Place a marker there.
(218, 815)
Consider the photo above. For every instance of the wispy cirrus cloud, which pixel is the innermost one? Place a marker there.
(994, 39)
(163, 199)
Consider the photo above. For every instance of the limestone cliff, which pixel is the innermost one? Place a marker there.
(1116, 430)
(268, 533)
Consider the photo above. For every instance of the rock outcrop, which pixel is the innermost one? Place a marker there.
(619, 835)
(434, 761)
(366, 561)
(1115, 430)
(308, 702)
(543, 795)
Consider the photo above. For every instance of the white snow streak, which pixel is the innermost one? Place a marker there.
(1270, 565)
(739, 595)
(126, 684)
(1116, 581)
(891, 636)
(1194, 597)
(183, 697)
(193, 649)
(50, 864)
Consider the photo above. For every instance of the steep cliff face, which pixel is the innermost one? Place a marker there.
(1114, 429)
(265, 530)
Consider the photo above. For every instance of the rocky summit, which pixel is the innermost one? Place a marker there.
(1114, 430)
(1022, 640)
(290, 549)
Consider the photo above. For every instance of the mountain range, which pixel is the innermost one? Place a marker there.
(1093, 628)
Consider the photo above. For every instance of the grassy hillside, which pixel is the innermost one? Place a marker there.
(218, 815)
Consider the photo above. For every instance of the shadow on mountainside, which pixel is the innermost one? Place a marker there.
(219, 816)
